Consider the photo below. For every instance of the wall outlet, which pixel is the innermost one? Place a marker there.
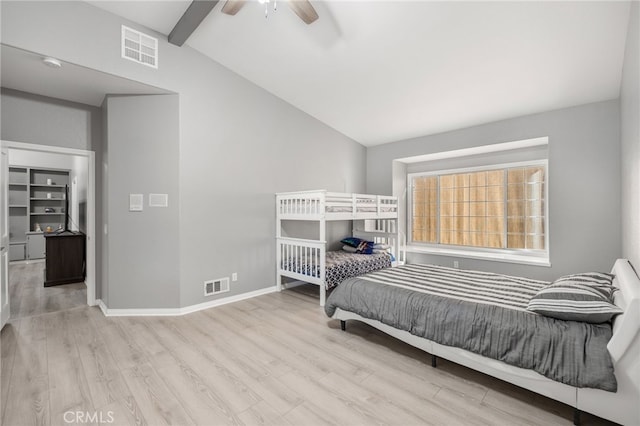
(234, 276)
(456, 264)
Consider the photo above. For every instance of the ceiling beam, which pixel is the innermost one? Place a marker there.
(190, 20)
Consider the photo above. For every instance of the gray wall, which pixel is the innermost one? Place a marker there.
(143, 252)
(630, 129)
(49, 121)
(584, 191)
(238, 144)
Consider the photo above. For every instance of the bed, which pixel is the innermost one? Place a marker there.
(374, 217)
(592, 367)
(339, 265)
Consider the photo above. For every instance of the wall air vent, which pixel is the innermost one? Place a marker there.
(220, 285)
(139, 47)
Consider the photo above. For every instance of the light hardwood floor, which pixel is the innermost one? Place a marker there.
(275, 359)
(28, 295)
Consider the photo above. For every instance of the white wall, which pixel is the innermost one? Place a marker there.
(630, 132)
(79, 180)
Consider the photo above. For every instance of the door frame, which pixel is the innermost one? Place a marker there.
(5, 308)
(90, 279)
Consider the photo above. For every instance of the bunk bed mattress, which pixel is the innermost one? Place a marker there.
(483, 313)
(340, 265)
(359, 209)
(362, 206)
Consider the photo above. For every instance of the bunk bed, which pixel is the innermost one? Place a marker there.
(374, 218)
(592, 366)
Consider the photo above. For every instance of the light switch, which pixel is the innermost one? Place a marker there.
(136, 201)
(158, 200)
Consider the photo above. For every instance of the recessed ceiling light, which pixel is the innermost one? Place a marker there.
(52, 62)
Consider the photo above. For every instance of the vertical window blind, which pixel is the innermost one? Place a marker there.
(497, 208)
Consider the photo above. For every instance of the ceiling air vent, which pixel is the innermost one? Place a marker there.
(139, 47)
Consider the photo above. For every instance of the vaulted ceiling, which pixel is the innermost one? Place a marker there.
(381, 71)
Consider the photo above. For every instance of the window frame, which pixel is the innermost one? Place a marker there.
(525, 256)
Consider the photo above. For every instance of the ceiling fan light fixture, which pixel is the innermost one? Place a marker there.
(303, 8)
(266, 6)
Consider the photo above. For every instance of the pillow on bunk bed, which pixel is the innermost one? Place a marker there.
(349, 249)
(579, 297)
(365, 248)
(354, 241)
(361, 246)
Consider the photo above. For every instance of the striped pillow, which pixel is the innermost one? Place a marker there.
(581, 297)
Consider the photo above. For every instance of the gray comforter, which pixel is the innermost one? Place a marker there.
(483, 313)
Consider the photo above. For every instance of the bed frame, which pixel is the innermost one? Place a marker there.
(375, 219)
(621, 407)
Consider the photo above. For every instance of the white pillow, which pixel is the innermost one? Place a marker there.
(381, 246)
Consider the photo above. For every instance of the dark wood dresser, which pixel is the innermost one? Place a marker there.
(65, 254)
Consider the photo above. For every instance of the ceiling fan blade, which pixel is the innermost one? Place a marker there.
(231, 7)
(304, 10)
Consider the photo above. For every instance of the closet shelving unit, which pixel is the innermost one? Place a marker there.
(18, 211)
(32, 192)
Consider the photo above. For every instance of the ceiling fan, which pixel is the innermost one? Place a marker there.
(199, 9)
(302, 8)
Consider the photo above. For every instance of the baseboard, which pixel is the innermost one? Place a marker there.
(102, 306)
(26, 261)
(131, 312)
(226, 300)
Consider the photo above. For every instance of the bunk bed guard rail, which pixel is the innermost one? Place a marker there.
(301, 259)
(318, 205)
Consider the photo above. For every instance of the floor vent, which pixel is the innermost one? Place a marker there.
(139, 47)
(216, 286)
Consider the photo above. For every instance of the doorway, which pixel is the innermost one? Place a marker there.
(78, 94)
(82, 181)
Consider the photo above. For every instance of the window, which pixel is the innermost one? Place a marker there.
(494, 208)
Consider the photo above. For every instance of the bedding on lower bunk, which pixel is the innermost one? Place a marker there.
(340, 265)
(484, 313)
